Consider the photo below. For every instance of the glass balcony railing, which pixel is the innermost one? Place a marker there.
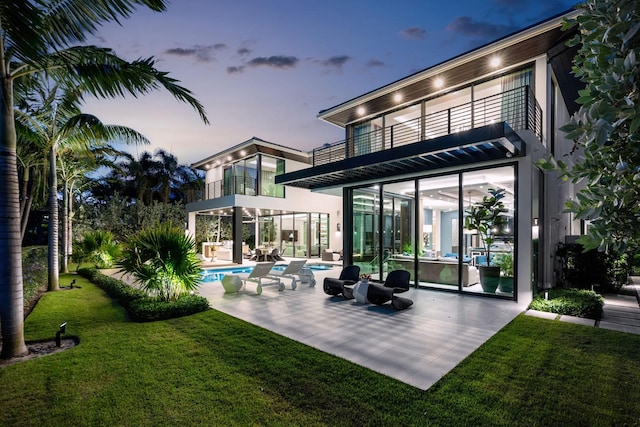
(517, 107)
(234, 185)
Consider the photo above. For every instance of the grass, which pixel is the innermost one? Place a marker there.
(212, 369)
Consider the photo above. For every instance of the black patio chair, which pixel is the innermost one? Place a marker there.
(259, 256)
(397, 281)
(274, 255)
(348, 276)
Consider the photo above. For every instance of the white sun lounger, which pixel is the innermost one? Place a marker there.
(292, 270)
(259, 273)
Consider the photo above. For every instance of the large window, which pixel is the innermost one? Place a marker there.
(366, 220)
(271, 167)
(423, 232)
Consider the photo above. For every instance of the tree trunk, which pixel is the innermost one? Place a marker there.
(65, 228)
(53, 258)
(11, 294)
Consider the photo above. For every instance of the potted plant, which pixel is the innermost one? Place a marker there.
(485, 218)
(505, 262)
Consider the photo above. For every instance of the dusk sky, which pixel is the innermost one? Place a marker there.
(266, 68)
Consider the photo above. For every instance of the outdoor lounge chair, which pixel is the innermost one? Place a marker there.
(397, 281)
(259, 273)
(292, 270)
(274, 255)
(348, 276)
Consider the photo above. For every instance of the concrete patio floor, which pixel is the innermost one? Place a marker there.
(416, 346)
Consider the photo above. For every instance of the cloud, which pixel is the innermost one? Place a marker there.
(243, 51)
(467, 27)
(275, 61)
(198, 52)
(375, 63)
(235, 69)
(415, 33)
(335, 61)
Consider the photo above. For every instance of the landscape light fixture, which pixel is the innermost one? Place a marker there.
(61, 330)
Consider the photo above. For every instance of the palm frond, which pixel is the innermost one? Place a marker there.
(70, 21)
(101, 73)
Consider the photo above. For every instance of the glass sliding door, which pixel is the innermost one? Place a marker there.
(489, 256)
(439, 245)
(319, 238)
(398, 231)
(366, 221)
(300, 233)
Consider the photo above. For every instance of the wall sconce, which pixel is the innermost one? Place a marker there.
(338, 227)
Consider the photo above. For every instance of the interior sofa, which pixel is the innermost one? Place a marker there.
(443, 270)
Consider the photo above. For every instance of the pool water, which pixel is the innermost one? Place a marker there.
(216, 274)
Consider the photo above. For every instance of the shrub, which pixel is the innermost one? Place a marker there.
(570, 302)
(163, 261)
(151, 309)
(584, 269)
(34, 273)
(98, 248)
(139, 305)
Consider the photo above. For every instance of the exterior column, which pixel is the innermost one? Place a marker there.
(237, 234)
(191, 224)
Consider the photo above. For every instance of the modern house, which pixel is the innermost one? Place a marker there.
(241, 194)
(419, 152)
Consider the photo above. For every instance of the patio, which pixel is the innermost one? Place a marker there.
(416, 346)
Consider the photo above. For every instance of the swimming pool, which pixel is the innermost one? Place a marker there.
(216, 274)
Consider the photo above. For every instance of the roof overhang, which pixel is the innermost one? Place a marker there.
(249, 148)
(514, 50)
(487, 143)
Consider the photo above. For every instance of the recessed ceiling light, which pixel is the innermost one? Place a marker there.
(495, 61)
(438, 83)
(397, 97)
(360, 111)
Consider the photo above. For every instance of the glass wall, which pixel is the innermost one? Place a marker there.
(366, 229)
(300, 235)
(319, 234)
(490, 246)
(271, 167)
(426, 232)
(398, 231)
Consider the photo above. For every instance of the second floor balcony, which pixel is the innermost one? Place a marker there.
(243, 185)
(517, 108)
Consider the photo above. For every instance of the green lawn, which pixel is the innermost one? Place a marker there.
(211, 369)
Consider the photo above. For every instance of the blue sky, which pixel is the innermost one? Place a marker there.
(266, 68)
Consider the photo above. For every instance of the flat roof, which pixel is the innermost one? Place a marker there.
(513, 49)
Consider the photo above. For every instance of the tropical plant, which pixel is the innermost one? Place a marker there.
(505, 262)
(606, 128)
(99, 248)
(486, 217)
(163, 261)
(38, 36)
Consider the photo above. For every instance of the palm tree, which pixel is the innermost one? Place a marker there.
(36, 36)
(54, 117)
